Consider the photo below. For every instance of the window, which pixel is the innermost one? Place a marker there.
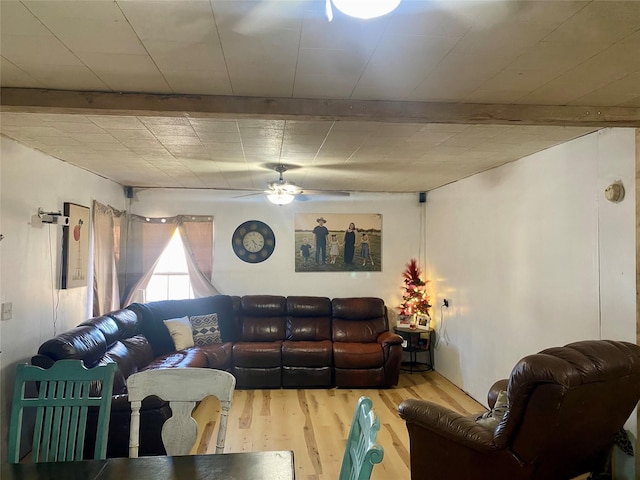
(170, 279)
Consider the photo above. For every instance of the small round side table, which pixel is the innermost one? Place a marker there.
(414, 344)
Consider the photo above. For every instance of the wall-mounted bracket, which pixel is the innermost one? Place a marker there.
(55, 218)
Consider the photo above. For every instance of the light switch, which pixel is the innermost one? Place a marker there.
(7, 311)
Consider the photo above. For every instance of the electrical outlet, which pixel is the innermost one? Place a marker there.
(7, 311)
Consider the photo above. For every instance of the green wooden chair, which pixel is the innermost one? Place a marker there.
(362, 452)
(65, 395)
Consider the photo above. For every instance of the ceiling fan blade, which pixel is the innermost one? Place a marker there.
(328, 193)
(262, 17)
(307, 195)
(249, 194)
(286, 187)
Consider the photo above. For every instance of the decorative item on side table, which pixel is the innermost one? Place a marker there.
(415, 300)
(414, 319)
(424, 320)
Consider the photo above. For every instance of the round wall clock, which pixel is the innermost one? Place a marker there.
(253, 241)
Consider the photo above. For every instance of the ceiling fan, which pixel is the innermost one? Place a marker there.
(283, 192)
(268, 14)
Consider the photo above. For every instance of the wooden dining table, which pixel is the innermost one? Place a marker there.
(271, 465)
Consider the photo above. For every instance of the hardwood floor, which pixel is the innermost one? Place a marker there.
(314, 423)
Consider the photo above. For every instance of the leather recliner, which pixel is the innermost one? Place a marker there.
(565, 405)
(365, 353)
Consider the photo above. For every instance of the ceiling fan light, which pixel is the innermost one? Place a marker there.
(280, 197)
(290, 188)
(366, 9)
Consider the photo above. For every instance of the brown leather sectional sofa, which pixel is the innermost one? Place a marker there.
(268, 341)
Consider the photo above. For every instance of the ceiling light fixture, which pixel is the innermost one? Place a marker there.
(366, 9)
(282, 192)
(280, 197)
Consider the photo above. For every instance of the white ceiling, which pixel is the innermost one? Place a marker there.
(492, 81)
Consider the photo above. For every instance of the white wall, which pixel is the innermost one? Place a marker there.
(30, 254)
(532, 256)
(617, 235)
(401, 215)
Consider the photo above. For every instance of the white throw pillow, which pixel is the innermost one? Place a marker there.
(180, 330)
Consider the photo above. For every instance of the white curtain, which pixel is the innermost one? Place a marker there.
(197, 237)
(147, 239)
(107, 227)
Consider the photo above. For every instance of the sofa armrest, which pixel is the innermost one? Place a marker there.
(387, 339)
(442, 422)
(495, 389)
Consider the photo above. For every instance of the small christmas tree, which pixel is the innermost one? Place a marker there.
(414, 299)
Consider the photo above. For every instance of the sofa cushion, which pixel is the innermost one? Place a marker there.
(263, 305)
(355, 331)
(107, 325)
(127, 322)
(85, 343)
(140, 350)
(309, 306)
(357, 355)
(308, 318)
(191, 357)
(263, 329)
(358, 308)
(309, 329)
(307, 354)
(121, 356)
(263, 318)
(257, 354)
(218, 355)
(152, 314)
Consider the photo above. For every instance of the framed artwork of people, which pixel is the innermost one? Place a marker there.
(338, 242)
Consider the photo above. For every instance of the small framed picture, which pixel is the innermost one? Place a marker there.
(75, 246)
(424, 320)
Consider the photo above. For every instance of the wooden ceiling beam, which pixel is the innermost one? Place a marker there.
(211, 106)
